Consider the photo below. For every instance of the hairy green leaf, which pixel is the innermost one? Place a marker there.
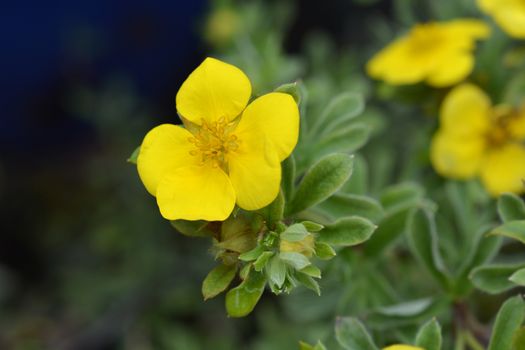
(321, 181)
(513, 229)
(218, 280)
(429, 336)
(511, 207)
(347, 231)
(423, 240)
(494, 279)
(508, 322)
(241, 300)
(294, 233)
(352, 335)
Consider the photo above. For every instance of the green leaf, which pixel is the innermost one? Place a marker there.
(390, 228)
(252, 254)
(288, 177)
(297, 260)
(511, 207)
(508, 322)
(273, 213)
(192, 228)
(324, 251)
(339, 111)
(276, 271)
(423, 240)
(312, 271)
(518, 277)
(494, 279)
(429, 336)
(344, 140)
(294, 233)
(312, 226)
(407, 313)
(321, 181)
(352, 335)
(341, 205)
(358, 183)
(404, 195)
(218, 280)
(241, 300)
(347, 231)
(290, 89)
(519, 340)
(513, 229)
(308, 282)
(262, 260)
(133, 157)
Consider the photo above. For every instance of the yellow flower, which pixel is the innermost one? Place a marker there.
(509, 14)
(402, 347)
(440, 54)
(478, 139)
(229, 153)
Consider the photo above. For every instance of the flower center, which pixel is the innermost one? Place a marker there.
(504, 119)
(213, 142)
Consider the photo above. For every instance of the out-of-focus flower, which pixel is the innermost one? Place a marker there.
(227, 153)
(509, 14)
(402, 347)
(221, 26)
(439, 53)
(478, 139)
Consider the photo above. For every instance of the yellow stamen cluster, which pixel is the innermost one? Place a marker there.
(213, 142)
(503, 117)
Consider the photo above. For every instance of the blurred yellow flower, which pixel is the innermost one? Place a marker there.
(439, 53)
(402, 347)
(509, 14)
(227, 153)
(221, 26)
(478, 139)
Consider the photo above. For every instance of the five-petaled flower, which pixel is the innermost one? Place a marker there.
(509, 14)
(439, 53)
(228, 153)
(478, 139)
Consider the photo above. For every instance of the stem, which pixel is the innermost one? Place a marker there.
(472, 341)
(460, 341)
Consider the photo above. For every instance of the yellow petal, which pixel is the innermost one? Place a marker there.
(452, 69)
(274, 116)
(512, 20)
(516, 124)
(164, 147)
(197, 192)
(213, 91)
(465, 111)
(503, 169)
(469, 29)
(402, 347)
(255, 173)
(397, 65)
(509, 14)
(456, 157)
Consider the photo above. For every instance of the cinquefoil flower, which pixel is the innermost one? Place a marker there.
(229, 153)
(478, 139)
(440, 54)
(509, 14)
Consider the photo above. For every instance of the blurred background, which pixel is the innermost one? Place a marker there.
(86, 261)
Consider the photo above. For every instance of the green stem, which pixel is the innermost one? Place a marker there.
(473, 342)
(460, 341)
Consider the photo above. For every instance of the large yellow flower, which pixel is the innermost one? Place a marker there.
(509, 14)
(228, 153)
(440, 54)
(478, 139)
